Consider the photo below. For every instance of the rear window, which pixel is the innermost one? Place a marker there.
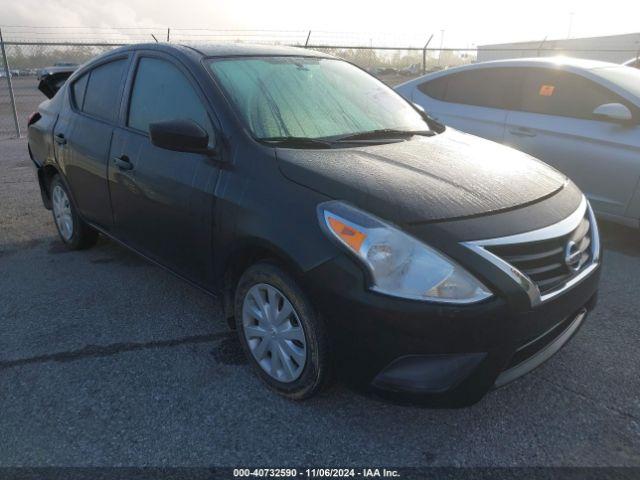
(102, 97)
(486, 87)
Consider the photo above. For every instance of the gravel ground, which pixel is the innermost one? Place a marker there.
(106, 360)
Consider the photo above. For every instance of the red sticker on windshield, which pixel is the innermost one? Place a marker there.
(546, 90)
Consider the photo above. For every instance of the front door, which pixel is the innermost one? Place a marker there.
(162, 200)
(555, 123)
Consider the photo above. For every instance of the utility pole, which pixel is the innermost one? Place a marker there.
(571, 14)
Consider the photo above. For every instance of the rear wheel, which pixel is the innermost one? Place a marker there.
(281, 333)
(73, 231)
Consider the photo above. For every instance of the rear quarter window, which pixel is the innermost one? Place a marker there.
(78, 89)
(436, 88)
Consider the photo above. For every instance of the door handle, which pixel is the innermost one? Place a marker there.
(523, 132)
(123, 162)
(59, 138)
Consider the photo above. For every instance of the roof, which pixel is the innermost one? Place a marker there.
(243, 49)
(551, 61)
(568, 63)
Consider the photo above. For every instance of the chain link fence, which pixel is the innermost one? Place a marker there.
(392, 58)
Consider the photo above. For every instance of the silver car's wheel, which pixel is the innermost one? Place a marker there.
(62, 212)
(274, 333)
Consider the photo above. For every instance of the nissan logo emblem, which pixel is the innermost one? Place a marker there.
(572, 256)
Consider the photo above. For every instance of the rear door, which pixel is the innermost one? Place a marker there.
(82, 136)
(474, 101)
(163, 200)
(554, 122)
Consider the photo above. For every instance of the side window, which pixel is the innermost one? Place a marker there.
(103, 90)
(435, 88)
(485, 87)
(78, 89)
(161, 92)
(564, 94)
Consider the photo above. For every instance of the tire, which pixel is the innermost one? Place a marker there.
(303, 363)
(73, 231)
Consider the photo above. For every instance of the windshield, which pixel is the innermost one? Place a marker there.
(626, 77)
(305, 97)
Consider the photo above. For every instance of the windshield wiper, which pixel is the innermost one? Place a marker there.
(297, 142)
(382, 134)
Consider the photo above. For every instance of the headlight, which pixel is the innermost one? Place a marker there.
(400, 265)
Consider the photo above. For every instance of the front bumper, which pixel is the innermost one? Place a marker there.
(440, 355)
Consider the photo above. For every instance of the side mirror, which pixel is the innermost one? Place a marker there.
(613, 112)
(180, 135)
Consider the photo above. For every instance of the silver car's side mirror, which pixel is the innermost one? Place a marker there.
(613, 112)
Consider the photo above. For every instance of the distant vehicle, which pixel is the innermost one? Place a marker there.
(634, 62)
(580, 116)
(377, 71)
(413, 69)
(341, 227)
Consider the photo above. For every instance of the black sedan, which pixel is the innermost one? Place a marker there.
(344, 230)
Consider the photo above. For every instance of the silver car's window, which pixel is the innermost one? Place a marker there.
(310, 97)
(560, 93)
(484, 87)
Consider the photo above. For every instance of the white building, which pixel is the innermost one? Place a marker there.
(614, 48)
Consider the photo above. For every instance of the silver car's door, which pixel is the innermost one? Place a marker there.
(555, 123)
(473, 101)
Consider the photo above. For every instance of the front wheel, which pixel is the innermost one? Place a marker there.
(74, 232)
(281, 333)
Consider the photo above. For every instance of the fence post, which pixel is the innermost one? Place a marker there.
(540, 46)
(7, 71)
(424, 55)
(168, 34)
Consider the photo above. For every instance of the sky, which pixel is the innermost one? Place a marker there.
(456, 23)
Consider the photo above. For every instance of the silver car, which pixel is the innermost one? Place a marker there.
(581, 116)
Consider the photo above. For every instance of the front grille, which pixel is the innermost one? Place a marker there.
(545, 261)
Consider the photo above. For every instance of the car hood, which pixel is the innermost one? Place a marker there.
(451, 175)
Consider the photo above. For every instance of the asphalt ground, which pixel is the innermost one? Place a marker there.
(107, 360)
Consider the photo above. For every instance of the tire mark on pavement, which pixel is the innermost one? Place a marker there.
(94, 351)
